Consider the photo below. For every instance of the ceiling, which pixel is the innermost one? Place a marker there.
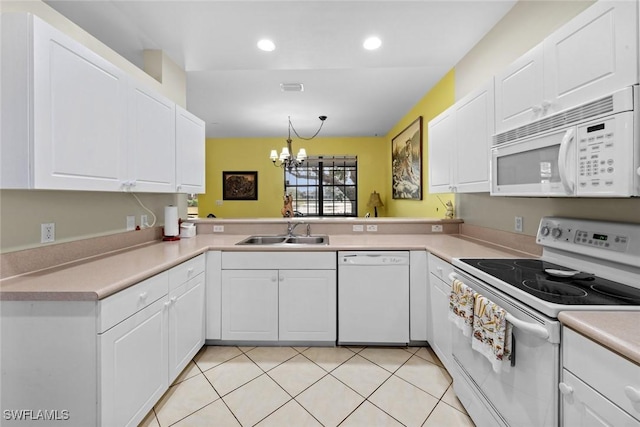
(235, 87)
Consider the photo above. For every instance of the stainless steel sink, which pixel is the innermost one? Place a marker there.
(308, 240)
(285, 240)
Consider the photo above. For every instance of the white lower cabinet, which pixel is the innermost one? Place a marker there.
(250, 305)
(133, 366)
(598, 387)
(101, 363)
(307, 305)
(263, 299)
(186, 323)
(441, 327)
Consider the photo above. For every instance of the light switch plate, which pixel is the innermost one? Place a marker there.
(372, 227)
(436, 228)
(358, 227)
(218, 228)
(518, 224)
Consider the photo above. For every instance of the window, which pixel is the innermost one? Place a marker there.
(324, 186)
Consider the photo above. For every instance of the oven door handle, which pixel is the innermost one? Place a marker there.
(531, 328)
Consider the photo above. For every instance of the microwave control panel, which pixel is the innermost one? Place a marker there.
(596, 156)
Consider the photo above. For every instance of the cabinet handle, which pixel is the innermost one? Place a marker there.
(173, 300)
(190, 271)
(166, 303)
(439, 270)
(144, 295)
(281, 278)
(274, 278)
(632, 393)
(565, 389)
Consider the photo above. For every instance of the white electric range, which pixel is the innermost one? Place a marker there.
(585, 265)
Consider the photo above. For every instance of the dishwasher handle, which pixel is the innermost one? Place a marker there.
(374, 259)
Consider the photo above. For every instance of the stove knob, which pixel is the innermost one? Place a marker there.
(544, 231)
(556, 232)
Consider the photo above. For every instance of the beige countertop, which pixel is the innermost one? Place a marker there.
(99, 277)
(618, 331)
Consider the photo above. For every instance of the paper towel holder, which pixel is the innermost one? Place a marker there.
(170, 214)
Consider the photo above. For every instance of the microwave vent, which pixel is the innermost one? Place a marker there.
(573, 115)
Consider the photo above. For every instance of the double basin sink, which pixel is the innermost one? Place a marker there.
(285, 240)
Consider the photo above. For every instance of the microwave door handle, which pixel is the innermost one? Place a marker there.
(562, 161)
(530, 328)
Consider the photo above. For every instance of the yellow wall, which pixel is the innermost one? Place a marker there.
(438, 99)
(252, 154)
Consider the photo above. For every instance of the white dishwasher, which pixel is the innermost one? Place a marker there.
(373, 297)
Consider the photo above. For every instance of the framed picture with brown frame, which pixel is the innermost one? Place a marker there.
(406, 162)
(239, 185)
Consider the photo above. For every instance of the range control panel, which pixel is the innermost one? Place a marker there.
(619, 242)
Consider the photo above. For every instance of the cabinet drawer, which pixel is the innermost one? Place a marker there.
(603, 370)
(123, 304)
(185, 271)
(279, 260)
(440, 268)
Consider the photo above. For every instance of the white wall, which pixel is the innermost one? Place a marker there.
(527, 24)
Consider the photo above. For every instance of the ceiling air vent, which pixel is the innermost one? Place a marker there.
(291, 87)
(585, 111)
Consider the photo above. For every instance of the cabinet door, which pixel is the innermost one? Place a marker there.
(583, 406)
(133, 366)
(519, 91)
(190, 152)
(593, 55)
(307, 305)
(442, 140)
(419, 317)
(152, 141)
(474, 129)
(186, 324)
(250, 305)
(441, 336)
(214, 295)
(79, 115)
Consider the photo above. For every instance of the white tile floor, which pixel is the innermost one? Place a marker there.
(311, 386)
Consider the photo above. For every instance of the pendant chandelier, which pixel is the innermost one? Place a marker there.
(286, 160)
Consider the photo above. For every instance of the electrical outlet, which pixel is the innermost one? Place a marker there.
(131, 222)
(358, 227)
(372, 227)
(218, 228)
(436, 228)
(47, 233)
(144, 222)
(518, 225)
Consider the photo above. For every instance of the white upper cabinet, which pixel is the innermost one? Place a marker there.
(152, 142)
(72, 120)
(593, 55)
(442, 137)
(459, 144)
(190, 153)
(63, 124)
(518, 91)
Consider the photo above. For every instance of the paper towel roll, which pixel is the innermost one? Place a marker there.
(171, 221)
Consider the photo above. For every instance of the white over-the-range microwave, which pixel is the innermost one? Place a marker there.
(592, 150)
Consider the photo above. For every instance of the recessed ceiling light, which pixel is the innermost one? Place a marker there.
(372, 43)
(266, 45)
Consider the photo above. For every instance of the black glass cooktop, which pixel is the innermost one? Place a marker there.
(529, 276)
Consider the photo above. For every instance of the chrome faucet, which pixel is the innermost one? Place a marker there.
(292, 226)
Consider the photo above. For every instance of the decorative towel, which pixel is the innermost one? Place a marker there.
(492, 333)
(461, 306)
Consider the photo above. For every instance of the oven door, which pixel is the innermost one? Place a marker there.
(527, 393)
(538, 166)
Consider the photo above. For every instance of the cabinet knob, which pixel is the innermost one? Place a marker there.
(166, 304)
(173, 300)
(281, 278)
(565, 389)
(274, 278)
(144, 295)
(632, 393)
(190, 271)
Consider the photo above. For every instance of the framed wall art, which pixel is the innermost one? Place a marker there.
(406, 162)
(239, 185)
